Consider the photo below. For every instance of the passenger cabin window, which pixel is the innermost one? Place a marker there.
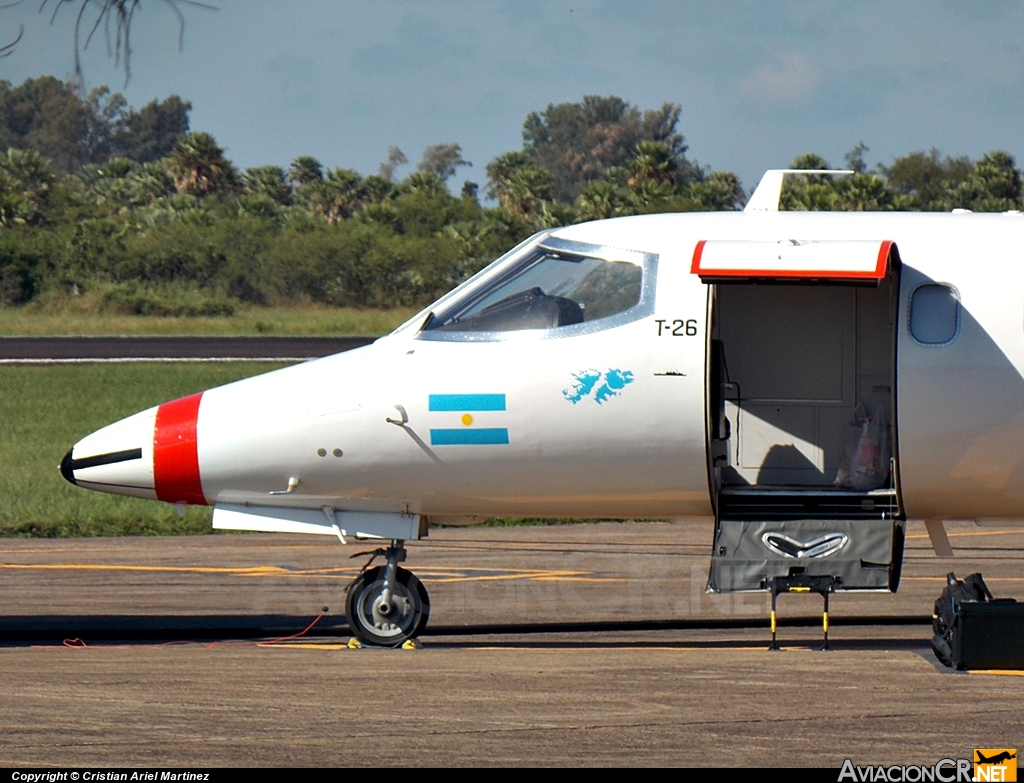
(548, 289)
(934, 314)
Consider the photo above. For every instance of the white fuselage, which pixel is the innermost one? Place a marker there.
(598, 419)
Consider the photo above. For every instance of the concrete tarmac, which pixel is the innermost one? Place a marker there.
(584, 645)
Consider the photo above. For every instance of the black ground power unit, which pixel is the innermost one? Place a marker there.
(989, 635)
(975, 631)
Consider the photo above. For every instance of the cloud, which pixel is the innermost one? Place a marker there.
(789, 79)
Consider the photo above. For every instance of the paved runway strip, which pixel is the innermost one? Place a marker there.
(49, 350)
(527, 667)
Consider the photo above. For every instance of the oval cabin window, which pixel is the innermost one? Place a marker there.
(934, 314)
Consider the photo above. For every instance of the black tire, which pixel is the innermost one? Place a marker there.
(409, 615)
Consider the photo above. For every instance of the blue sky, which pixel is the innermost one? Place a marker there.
(758, 81)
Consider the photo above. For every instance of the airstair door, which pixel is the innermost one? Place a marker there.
(801, 412)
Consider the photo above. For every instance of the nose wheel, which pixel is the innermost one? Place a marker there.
(387, 605)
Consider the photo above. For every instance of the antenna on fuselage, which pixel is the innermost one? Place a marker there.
(766, 195)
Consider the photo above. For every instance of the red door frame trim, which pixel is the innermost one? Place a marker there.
(877, 274)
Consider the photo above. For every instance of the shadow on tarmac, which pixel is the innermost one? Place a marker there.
(145, 629)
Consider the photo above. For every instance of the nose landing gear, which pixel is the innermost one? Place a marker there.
(387, 605)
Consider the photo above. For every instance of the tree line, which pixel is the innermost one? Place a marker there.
(137, 213)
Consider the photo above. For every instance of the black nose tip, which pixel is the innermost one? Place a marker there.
(66, 469)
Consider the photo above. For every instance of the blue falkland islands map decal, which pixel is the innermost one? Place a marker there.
(602, 386)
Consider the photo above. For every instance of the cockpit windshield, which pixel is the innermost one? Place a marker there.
(546, 290)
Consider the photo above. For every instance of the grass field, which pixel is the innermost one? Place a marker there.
(44, 410)
(312, 320)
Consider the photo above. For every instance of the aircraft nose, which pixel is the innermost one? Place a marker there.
(66, 469)
(117, 458)
(153, 454)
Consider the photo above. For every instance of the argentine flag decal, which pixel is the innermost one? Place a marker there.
(467, 434)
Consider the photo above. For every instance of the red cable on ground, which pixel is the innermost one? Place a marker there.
(294, 635)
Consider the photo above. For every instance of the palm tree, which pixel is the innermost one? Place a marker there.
(341, 193)
(268, 181)
(304, 170)
(653, 162)
(520, 186)
(199, 168)
(601, 199)
(26, 179)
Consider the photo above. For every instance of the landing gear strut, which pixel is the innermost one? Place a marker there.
(387, 605)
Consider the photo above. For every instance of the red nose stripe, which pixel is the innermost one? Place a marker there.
(176, 452)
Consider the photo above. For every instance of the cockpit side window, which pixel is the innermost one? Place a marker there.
(547, 289)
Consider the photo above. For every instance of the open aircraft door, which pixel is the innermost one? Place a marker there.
(801, 413)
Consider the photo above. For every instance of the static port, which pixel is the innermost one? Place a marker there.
(321, 452)
(338, 452)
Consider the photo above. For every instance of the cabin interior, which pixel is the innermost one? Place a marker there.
(801, 390)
